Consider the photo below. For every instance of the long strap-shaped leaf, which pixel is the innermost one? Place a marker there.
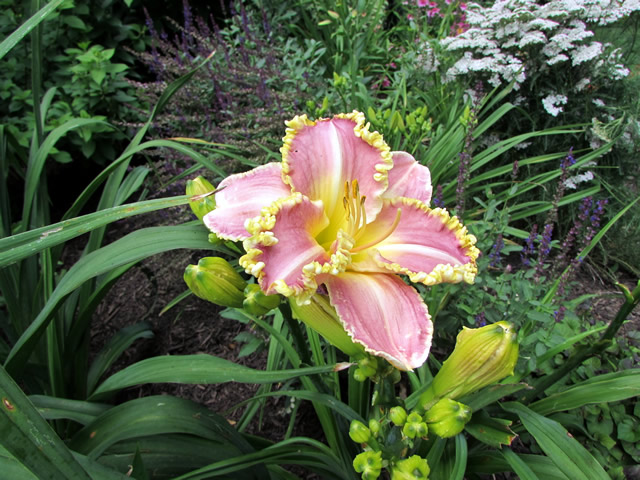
(114, 348)
(518, 465)
(53, 408)
(155, 415)
(12, 40)
(25, 244)
(131, 248)
(297, 450)
(196, 369)
(37, 162)
(611, 387)
(569, 456)
(329, 400)
(491, 462)
(30, 439)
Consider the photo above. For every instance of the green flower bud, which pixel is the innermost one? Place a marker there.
(359, 376)
(414, 426)
(398, 416)
(215, 280)
(412, 468)
(482, 356)
(256, 302)
(369, 464)
(359, 432)
(447, 417)
(203, 200)
(368, 366)
(322, 317)
(374, 426)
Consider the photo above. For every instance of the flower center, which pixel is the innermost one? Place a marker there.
(354, 209)
(357, 217)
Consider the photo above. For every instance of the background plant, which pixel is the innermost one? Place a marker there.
(255, 80)
(89, 80)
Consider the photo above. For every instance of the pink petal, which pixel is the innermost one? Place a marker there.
(409, 179)
(385, 315)
(242, 197)
(283, 243)
(319, 157)
(427, 245)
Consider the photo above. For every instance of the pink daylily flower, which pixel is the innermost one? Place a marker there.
(343, 215)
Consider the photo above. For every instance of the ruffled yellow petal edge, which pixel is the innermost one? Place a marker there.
(442, 273)
(360, 130)
(261, 227)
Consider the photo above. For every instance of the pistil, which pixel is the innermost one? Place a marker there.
(382, 237)
(357, 217)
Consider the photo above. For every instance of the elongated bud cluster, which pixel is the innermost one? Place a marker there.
(256, 302)
(369, 464)
(447, 417)
(359, 432)
(367, 368)
(374, 426)
(398, 416)
(482, 356)
(412, 468)
(203, 200)
(415, 426)
(215, 280)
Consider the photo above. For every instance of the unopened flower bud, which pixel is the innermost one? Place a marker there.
(447, 417)
(398, 416)
(256, 302)
(412, 468)
(215, 280)
(203, 200)
(482, 356)
(359, 432)
(374, 426)
(368, 366)
(414, 426)
(359, 376)
(322, 317)
(369, 464)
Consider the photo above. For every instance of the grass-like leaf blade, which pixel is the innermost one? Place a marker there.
(570, 457)
(610, 387)
(196, 369)
(131, 248)
(24, 29)
(30, 439)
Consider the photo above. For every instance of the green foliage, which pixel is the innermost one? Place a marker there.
(572, 399)
(88, 81)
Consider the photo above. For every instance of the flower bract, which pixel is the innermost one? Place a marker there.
(343, 216)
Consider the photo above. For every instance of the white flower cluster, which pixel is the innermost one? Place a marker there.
(552, 104)
(512, 37)
(573, 182)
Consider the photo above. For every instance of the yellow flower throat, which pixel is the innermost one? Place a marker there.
(357, 217)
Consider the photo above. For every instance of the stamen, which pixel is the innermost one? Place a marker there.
(362, 215)
(384, 236)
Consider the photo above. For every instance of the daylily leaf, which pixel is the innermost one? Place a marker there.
(489, 430)
(570, 457)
